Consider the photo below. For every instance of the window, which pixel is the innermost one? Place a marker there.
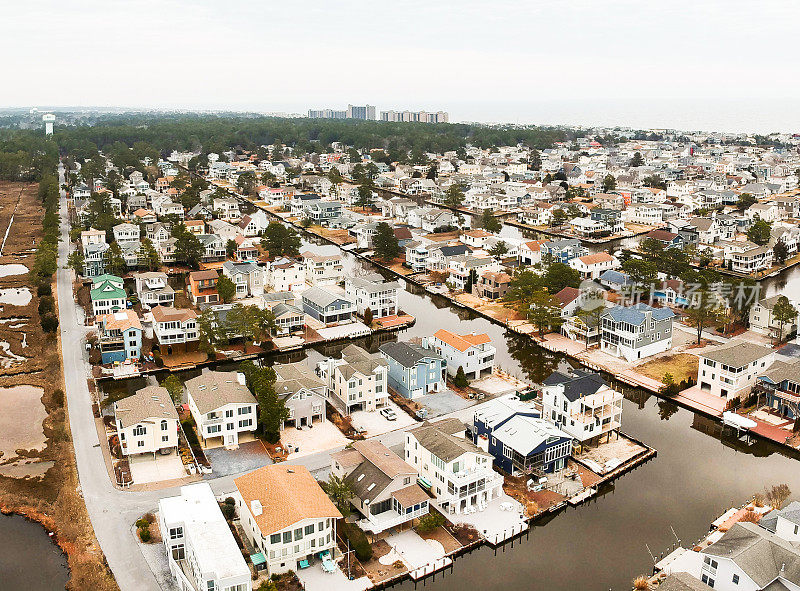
(211, 586)
(141, 444)
(175, 533)
(165, 438)
(139, 430)
(298, 534)
(275, 539)
(229, 413)
(735, 579)
(163, 425)
(178, 552)
(309, 530)
(287, 537)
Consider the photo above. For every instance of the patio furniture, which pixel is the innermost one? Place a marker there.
(329, 566)
(303, 564)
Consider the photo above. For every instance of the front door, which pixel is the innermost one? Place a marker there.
(231, 438)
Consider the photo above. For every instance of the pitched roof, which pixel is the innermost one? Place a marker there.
(321, 297)
(121, 320)
(567, 295)
(636, 314)
(151, 402)
(577, 383)
(461, 342)
(287, 494)
(213, 389)
(737, 354)
(592, 259)
(407, 354)
(169, 314)
(439, 439)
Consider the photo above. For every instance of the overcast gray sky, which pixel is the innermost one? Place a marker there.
(491, 61)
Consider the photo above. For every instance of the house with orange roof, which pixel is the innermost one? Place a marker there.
(203, 286)
(286, 516)
(145, 216)
(530, 252)
(476, 238)
(472, 352)
(196, 227)
(119, 336)
(591, 266)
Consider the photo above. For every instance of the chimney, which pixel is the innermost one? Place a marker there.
(241, 379)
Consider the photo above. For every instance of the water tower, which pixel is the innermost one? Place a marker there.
(48, 119)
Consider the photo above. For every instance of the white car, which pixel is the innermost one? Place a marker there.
(388, 414)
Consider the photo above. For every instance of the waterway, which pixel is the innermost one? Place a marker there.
(29, 559)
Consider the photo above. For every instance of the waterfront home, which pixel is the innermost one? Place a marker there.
(222, 406)
(563, 250)
(126, 233)
(286, 516)
(248, 278)
(582, 405)
(214, 246)
(119, 336)
(667, 239)
(327, 307)
(95, 256)
(253, 224)
(303, 393)
(201, 550)
(455, 470)
(417, 253)
(530, 252)
(321, 212)
(746, 257)
(227, 209)
(323, 269)
(763, 322)
(781, 382)
(285, 274)
(475, 238)
(289, 319)
(472, 352)
(203, 286)
(384, 486)
(540, 214)
(413, 370)
(357, 381)
(616, 280)
(147, 422)
(519, 439)
(731, 370)
(467, 267)
(107, 295)
(152, 289)
(591, 266)
(636, 332)
(589, 228)
(492, 285)
(373, 292)
(175, 326)
(440, 256)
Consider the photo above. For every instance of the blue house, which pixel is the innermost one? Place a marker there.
(329, 308)
(781, 382)
(518, 439)
(563, 250)
(414, 371)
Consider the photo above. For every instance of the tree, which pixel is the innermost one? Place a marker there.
(385, 243)
(544, 311)
(644, 274)
(499, 250)
(778, 495)
(368, 316)
(174, 386)
(210, 333)
(637, 160)
(231, 247)
(148, 256)
(759, 232)
(430, 522)
(558, 217)
(460, 380)
(782, 312)
(558, 275)
(609, 183)
(225, 288)
(489, 222)
(703, 309)
(780, 252)
(655, 182)
(116, 264)
(745, 201)
(188, 248)
(364, 199)
(521, 286)
(246, 183)
(280, 240)
(339, 492)
(454, 195)
(76, 261)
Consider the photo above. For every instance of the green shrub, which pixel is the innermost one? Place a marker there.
(230, 501)
(430, 522)
(44, 289)
(157, 357)
(49, 323)
(46, 305)
(228, 511)
(144, 534)
(142, 523)
(358, 541)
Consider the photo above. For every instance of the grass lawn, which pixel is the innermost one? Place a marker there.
(681, 366)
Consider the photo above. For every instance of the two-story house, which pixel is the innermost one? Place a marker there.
(147, 422)
(126, 233)
(107, 295)
(222, 407)
(357, 381)
(303, 393)
(248, 278)
(763, 322)
(781, 381)
(202, 286)
(591, 266)
(323, 269)
(373, 292)
(413, 370)
(285, 274)
(636, 332)
(472, 352)
(327, 307)
(563, 250)
(175, 329)
(731, 370)
(119, 336)
(153, 289)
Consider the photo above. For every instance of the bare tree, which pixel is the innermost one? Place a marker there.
(778, 495)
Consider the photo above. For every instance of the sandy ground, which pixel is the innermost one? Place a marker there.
(321, 437)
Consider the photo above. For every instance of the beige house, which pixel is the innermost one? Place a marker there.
(222, 406)
(147, 422)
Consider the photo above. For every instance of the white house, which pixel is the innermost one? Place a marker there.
(201, 550)
(222, 406)
(147, 422)
(763, 322)
(472, 352)
(592, 266)
(373, 292)
(153, 289)
(323, 269)
(285, 274)
(174, 326)
(731, 370)
(126, 233)
(357, 381)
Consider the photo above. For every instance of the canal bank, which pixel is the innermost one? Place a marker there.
(31, 560)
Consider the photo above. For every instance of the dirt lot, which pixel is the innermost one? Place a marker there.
(680, 365)
(50, 496)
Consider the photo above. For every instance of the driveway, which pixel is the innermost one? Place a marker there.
(229, 462)
(148, 468)
(376, 424)
(442, 403)
(321, 437)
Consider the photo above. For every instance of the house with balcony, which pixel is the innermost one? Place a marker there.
(357, 381)
(591, 266)
(253, 224)
(763, 322)
(473, 352)
(95, 256)
(175, 329)
(327, 307)
(147, 422)
(303, 393)
(385, 490)
(417, 253)
(107, 295)
(781, 382)
(636, 332)
(202, 553)
(563, 250)
(285, 274)
(582, 405)
(323, 269)
(492, 285)
(214, 247)
(731, 370)
(126, 233)
(519, 439)
(748, 258)
(227, 209)
(202, 286)
(222, 407)
(413, 370)
(321, 212)
(373, 292)
(119, 336)
(153, 289)
(289, 319)
(464, 267)
(456, 471)
(248, 278)
(286, 516)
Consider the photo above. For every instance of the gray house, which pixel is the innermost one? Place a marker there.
(327, 307)
(303, 393)
(414, 371)
(636, 332)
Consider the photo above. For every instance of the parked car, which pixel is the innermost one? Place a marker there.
(388, 414)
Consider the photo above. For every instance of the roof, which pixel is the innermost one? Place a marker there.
(293, 377)
(791, 513)
(461, 342)
(407, 354)
(121, 320)
(321, 297)
(618, 277)
(410, 495)
(525, 434)
(287, 494)
(107, 287)
(439, 439)
(592, 259)
(357, 360)
(204, 274)
(782, 370)
(214, 389)
(737, 354)
(576, 383)
(682, 582)
(636, 314)
(567, 295)
(151, 403)
(167, 314)
(377, 467)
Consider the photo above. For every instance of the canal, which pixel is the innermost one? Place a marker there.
(29, 559)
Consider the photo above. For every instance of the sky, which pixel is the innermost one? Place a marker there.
(696, 64)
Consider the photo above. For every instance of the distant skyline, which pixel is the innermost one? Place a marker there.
(705, 65)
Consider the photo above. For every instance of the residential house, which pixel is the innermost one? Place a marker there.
(530, 252)
(92, 236)
(763, 322)
(253, 224)
(781, 382)
(591, 266)
(126, 233)
(153, 289)
(203, 286)
(289, 319)
(384, 487)
(321, 212)
(303, 393)
(731, 370)
(455, 470)
(563, 250)
(286, 516)
(472, 352)
(175, 326)
(222, 406)
(668, 239)
(214, 247)
(227, 209)
(582, 405)
(373, 292)
(466, 268)
(746, 257)
(285, 274)
(107, 295)
(247, 277)
(612, 218)
(417, 255)
(327, 307)
(440, 256)
(323, 269)
(147, 422)
(616, 280)
(357, 381)
(119, 336)
(636, 332)
(95, 256)
(492, 285)
(413, 370)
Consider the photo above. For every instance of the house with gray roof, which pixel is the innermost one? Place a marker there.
(782, 384)
(373, 292)
(327, 307)
(222, 407)
(147, 422)
(731, 370)
(763, 322)
(413, 370)
(248, 278)
(303, 393)
(357, 381)
(289, 319)
(636, 332)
